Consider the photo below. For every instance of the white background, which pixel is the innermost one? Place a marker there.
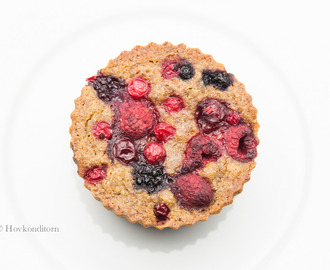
(294, 38)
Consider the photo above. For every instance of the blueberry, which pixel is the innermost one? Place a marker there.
(217, 78)
(186, 72)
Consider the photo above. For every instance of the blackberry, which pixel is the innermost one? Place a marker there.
(219, 79)
(107, 87)
(151, 178)
(186, 72)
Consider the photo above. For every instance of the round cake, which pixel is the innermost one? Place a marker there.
(164, 136)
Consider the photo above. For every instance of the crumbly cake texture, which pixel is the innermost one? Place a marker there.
(112, 181)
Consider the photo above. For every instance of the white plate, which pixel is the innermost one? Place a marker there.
(45, 189)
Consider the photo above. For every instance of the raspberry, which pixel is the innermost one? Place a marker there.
(161, 211)
(241, 143)
(186, 72)
(201, 149)
(95, 174)
(107, 87)
(138, 87)
(219, 79)
(174, 104)
(193, 192)
(164, 131)
(233, 118)
(102, 130)
(136, 120)
(151, 178)
(124, 151)
(210, 113)
(154, 153)
(170, 69)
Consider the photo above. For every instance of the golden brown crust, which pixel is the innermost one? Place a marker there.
(116, 190)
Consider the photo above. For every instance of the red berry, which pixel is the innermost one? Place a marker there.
(138, 87)
(241, 143)
(193, 192)
(210, 113)
(124, 151)
(136, 120)
(102, 130)
(154, 153)
(91, 78)
(170, 69)
(233, 118)
(174, 104)
(95, 174)
(161, 212)
(201, 149)
(164, 131)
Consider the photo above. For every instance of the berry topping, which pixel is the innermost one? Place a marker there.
(138, 87)
(164, 131)
(241, 143)
(209, 114)
(124, 151)
(154, 153)
(174, 104)
(152, 178)
(136, 120)
(233, 118)
(193, 192)
(217, 78)
(102, 130)
(107, 87)
(186, 72)
(95, 174)
(170, 69)
(91, 78)
(201, 149)
(161, 212)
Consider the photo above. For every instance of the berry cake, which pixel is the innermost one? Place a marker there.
(164, 135)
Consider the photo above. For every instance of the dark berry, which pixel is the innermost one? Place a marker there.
(124, 151)
(173, 104)
(136, 120)
(164, 131)
(170, 69)
(210, 114)
(241, 143)
(161, 211)
(201, 149)
(95, 174)
(154, 153)
(107, 87)
(186, 71)
(217, 78)
(151, 178)
(138, 88)
(193, 192)
(102, 130)
(233, 118)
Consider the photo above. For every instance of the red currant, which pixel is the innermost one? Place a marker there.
(95, 174)
(174, 104)
(138, 87)
(164, 131)
(102, 130)
(154, 153)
